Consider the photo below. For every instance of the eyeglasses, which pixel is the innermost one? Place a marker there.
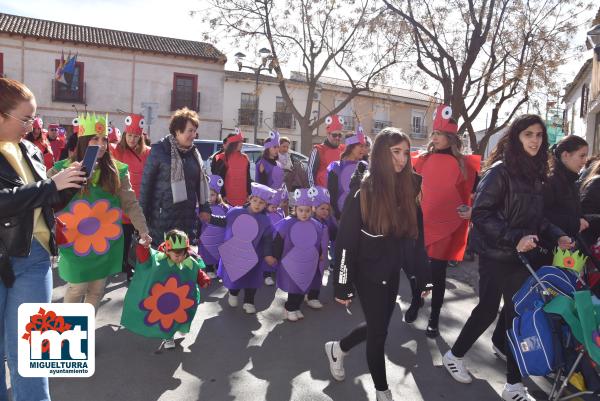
(25, 123)
(336, 135)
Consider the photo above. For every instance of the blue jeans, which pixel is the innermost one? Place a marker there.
(33, 283)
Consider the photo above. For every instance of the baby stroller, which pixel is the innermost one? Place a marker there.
(556, 331)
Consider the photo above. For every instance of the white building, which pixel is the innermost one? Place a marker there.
(576, 99)
(115, 71)
(273, 113)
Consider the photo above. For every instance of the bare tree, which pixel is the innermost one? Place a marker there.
(351, 38)
(488, 52)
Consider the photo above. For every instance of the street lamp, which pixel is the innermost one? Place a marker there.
(594, 36)
(265, 56)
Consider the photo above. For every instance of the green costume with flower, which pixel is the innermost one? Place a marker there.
(162, 297)
(89, 228)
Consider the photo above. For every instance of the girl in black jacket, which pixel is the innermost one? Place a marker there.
(562, 206)
(590, 202)
(376, 235)
(507, 218)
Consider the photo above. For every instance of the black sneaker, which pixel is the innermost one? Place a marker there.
(432, 330)
(413, 310)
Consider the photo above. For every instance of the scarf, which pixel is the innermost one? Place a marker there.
(178, 186)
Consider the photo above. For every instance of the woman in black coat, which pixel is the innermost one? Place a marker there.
(562, 206)
(376, 239)
(174, 183)
(26, 229)
(508, 217)
(590, 202)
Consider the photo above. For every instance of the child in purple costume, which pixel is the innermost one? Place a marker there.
(212, 236)
(269, 171)
(248, 241)
(300, 244)
(340, 172)
(275, 214)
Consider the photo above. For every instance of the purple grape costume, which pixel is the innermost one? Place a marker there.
(248, 239)
(303, 244)
(212, 236)
(275, 217)
(273, 172)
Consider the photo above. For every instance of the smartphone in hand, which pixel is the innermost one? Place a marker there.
(89, 160)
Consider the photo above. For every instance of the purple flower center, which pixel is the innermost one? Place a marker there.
(167, 303)
(88, 226)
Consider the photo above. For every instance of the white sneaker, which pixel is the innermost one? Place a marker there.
(269, 281)
(516, 392)
(211, 275)
(384, 395)
(169, 344)
(299, 314)
(292, 316)
(498, 353)
(232, 300)
(456, 367)
(314, 303)
(336, 360)
(249, 308)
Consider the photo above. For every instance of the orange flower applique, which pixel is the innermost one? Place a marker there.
(569, 262)
(90, 227)
(100, 128)
(168, 303)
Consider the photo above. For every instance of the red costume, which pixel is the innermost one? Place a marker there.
(445, 188)
(236, 175)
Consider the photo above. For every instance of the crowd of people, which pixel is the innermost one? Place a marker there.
(363, 209)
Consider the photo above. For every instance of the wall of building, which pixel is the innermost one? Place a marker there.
(268, 93)
(374, 109)
(115, 80)
(577, 124)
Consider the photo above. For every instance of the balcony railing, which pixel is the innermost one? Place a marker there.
(378, 125)
(284, 120)
(62, 93)
(419, 131)
(180, 100)
(246, 117)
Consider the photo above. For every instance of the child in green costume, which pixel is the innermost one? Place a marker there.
(165, 290)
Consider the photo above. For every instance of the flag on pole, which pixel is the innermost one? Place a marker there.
(58, 75)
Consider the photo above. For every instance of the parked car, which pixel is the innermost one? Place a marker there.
(208, 147)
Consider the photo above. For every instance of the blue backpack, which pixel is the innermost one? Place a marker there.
(532, 342)
(557, 281)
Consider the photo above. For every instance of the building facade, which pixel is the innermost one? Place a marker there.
(576, 100)
(242, 95)
(116, 73)
(382, 107)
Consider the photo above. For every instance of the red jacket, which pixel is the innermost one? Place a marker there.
(136, 165)
(321, 157)
(57, 146)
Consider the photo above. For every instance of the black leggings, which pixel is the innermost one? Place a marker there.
(378, 301)
(496, 280)
(249, 294)
(127, 237)
(438, 278)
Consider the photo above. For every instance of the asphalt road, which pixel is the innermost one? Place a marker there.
(231, 356)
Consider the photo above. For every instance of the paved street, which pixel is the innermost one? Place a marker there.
(232, 356)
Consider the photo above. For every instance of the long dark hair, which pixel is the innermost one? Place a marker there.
(388, 200)
(594, 172)
(510, 150)
(109, 174)
(569, 144)
(265, 154)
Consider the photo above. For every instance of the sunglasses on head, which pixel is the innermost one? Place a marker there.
(336, 135)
